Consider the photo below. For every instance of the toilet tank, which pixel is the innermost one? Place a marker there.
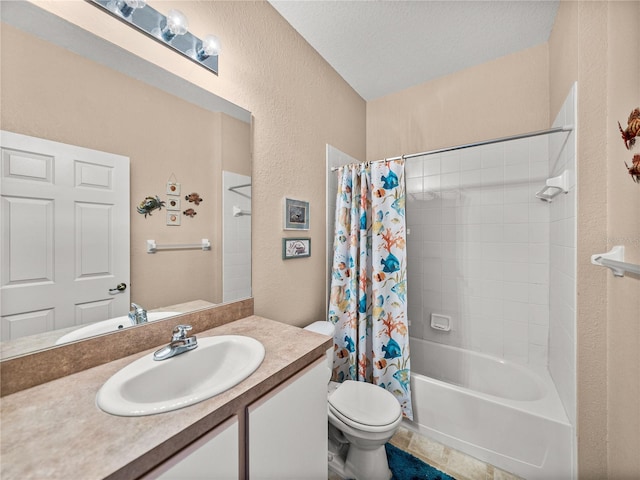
(324, 328)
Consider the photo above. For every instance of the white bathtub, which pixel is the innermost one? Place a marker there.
(499, 412)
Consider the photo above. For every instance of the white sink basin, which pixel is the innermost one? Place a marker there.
(108, 326)
(147, 386)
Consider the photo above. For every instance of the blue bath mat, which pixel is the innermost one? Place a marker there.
(405, 466)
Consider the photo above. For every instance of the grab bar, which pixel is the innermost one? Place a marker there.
(204, 245)
(614, 259)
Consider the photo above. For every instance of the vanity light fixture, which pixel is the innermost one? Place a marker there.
(171, 30)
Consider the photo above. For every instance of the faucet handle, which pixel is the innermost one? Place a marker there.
(180, 332)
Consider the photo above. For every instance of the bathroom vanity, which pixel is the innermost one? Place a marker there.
(56, 430)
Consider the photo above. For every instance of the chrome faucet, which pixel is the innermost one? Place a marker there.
(180, 343)
(138, 315)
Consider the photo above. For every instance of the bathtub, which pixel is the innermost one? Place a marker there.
(500, 412)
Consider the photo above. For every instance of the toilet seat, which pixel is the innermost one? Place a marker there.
(365, 406)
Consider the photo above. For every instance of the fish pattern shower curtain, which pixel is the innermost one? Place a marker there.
(368, 303)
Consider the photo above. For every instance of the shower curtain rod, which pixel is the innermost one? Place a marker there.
(565, 128)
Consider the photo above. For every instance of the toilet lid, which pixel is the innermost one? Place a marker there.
(321, 327)
(364, 404)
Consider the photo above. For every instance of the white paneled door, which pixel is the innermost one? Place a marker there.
(64, 241)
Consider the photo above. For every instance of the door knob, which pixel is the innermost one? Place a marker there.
(121, 287)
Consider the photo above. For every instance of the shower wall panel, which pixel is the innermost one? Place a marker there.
(478, 245)
(236, 241)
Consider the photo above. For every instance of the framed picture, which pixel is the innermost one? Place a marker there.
(296, 248)
(296, 214)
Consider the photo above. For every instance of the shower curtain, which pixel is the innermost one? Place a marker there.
(369, 279)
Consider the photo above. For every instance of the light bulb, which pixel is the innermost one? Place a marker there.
(174, 24)
(210, 46)
(126, 7)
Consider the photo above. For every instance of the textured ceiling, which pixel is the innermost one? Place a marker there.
(381, 47)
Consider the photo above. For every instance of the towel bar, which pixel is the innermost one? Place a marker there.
(614, 259)
(204, 245)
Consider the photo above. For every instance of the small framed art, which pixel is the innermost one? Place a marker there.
(296, 214)
(296, 248)
(173, 219)
(173, 188)
(173, 203)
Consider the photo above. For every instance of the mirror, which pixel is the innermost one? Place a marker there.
(63, 84)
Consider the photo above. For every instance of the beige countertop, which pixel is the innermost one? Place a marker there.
(56, 430)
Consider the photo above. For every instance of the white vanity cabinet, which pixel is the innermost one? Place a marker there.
(287, 428)
(214, 456)
(285, 437)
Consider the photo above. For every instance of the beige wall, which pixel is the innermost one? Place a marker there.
(499, 98)
(96, 107)
(623, 228)
(590, 43)
(299, 104)
(235, 138)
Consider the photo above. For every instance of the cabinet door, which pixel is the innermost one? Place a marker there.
(287, 428)
(213, 456)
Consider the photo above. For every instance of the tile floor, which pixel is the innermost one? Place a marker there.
(452, 462)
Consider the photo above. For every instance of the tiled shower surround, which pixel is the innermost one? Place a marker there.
(478, 245)
(236, 242)
(481, 248)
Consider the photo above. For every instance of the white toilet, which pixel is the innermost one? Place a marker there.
(362, 418)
